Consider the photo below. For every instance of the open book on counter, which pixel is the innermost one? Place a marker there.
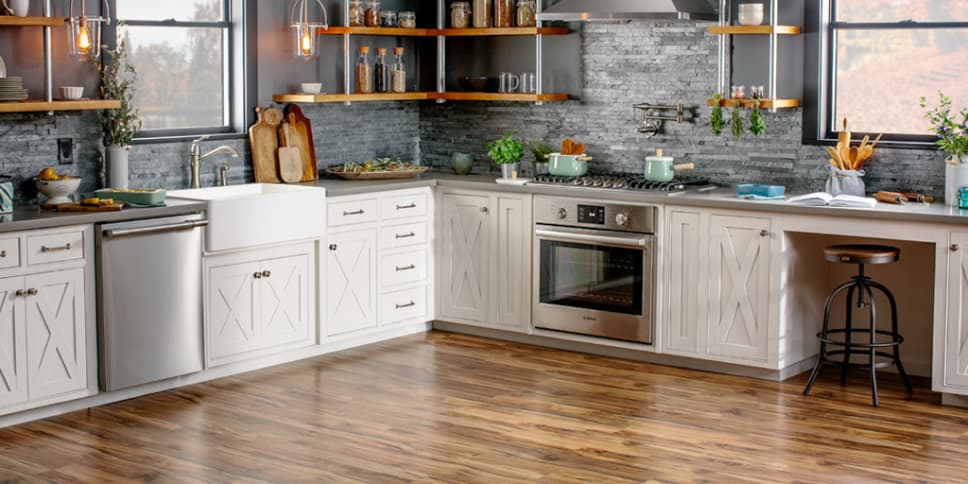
(826, 199)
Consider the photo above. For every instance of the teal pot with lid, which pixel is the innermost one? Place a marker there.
(568, 165)
(660, 168)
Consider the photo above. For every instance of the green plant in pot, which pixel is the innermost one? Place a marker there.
(540, 151)
(506, 153)
(120, 125)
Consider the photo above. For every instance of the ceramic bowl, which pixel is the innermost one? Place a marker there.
(58, 191)
(750, 14)
(72, 93)
(476, 84)
(311, 87)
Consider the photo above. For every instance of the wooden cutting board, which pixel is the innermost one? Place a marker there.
(264, 142)
(304, 129)
(77, 207)
(290, 160)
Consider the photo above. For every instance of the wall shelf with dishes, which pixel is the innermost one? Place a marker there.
(750, 18)
(438, 80)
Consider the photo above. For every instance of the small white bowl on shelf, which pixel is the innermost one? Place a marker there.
(750, 14)
(72, 93)
(58, 191)
(311, 87)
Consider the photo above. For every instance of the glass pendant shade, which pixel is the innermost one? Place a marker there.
(84, 33)
(305, 40)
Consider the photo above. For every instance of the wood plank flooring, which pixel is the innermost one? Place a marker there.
(443, 407)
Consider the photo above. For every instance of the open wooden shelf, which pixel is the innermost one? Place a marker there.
(417, 96)
(764, 103)
(12, 21)
(399, 32)
(754, 30)
(38, 106)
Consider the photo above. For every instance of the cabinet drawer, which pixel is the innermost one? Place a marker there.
(44, 249)
(352, 212)
(403, 235)
(404, 268)
(403, 206)
(9, 253)
(409, 304)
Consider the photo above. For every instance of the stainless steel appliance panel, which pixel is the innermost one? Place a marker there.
(150, 295)
(572, 212)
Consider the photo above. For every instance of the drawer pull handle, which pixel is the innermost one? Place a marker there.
(356, 212)
(407, 268)
(266, 274)
(257, 275)
(46, 249)
(404, 207)
(20, 293)
(408, 305)
(399, 236)
(32, 291)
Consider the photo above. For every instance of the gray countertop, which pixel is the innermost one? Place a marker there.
(724, 198)
(29, 218)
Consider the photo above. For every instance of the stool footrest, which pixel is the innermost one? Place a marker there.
(828, 360)
(896, 341)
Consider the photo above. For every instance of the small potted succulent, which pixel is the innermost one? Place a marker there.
(506, 153)
(951, 129)
(541, 152)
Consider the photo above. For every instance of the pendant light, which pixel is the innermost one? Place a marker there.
(304, 29)
(85, 32)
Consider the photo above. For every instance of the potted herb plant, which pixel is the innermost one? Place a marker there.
(122, 124)
(541, 152)
(952, 132)
(506, 153)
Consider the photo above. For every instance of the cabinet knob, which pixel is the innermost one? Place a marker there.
(257, 275)
(3, 254)
(32, 291)
(266, 274)
(332, 247)
(20, 293)
(764, 233)
(484, 209)
(954, 247)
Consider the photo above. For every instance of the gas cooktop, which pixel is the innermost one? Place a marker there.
(626, 181)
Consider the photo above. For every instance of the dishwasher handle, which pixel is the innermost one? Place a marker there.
(155, 229)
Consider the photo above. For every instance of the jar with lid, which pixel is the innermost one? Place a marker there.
(503, 13)
(408, 19)
(460, 15)
(388, 18)
(381, 71)
(357, 13)
(373, 13)
(398, 73)
(481, 13)
(526, 10)
(364, 72)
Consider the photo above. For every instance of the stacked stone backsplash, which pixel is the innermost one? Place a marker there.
(661, 62)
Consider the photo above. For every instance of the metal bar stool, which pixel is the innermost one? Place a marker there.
(864, 287)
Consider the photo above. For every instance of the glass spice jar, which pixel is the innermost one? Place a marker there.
(388, 18)
(460, 15)
(373, 13)
(398, 73)
(526, 10)
(481, 14)
(408, 19)
(357, 13)
(503, 13)
(381, 71)
(364, 72)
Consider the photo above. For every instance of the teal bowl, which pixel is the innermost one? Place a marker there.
(568, 165)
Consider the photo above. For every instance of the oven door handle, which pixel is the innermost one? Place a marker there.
(631, 241)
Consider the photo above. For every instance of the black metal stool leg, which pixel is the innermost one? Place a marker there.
(895, 335)
(873, 350)
(823, 335)
(848, 320)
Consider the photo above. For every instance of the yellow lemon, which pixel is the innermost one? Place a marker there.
(48, 174)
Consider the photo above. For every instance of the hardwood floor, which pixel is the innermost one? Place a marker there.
(446, 407)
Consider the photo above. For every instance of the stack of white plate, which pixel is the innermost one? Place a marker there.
(12, 89)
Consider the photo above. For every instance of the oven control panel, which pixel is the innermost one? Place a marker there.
(591, 214)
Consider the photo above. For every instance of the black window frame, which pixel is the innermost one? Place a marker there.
(238, 20)
(819, 125)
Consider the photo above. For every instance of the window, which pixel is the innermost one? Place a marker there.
(184, 52)
(883, 55)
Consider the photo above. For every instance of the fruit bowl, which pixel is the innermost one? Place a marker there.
(58, 191)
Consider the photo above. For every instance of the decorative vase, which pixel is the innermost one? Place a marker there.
(20, 7)
(463, 163)
(117, 166)
(510, 170)
(955, 177)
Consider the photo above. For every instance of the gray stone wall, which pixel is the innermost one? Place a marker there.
(664, 63)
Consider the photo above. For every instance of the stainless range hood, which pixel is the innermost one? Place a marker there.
(617, 10)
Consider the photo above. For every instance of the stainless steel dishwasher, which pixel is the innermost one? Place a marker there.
(150, 299)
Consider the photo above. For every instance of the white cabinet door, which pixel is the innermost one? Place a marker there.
(13, 343)
(956, 337)
(351, 282)
(739, 291)
(232, 310)
(512, 263)
(56, 333)
(683, 332)
(284, 301)
(465, 253)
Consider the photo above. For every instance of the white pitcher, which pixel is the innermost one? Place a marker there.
(20, 7)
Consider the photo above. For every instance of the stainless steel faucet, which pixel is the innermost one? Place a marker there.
(224, 175)
(197, 157)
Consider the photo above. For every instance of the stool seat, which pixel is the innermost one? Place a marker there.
(862, 254)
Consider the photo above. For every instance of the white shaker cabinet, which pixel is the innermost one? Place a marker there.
(13, 343)
(956, 327)
(485, 259)
(351, 286)
(56, 352)
(684, 271)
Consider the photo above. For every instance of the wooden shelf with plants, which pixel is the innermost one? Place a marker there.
(749, 103)
(39, 106)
